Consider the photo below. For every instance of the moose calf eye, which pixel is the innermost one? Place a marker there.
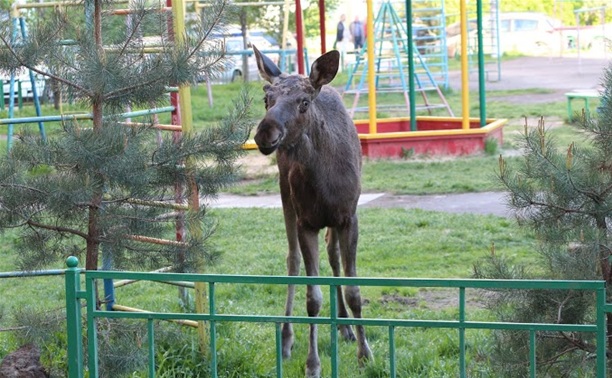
(304, 105)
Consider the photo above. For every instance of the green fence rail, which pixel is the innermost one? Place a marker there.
(74, 297)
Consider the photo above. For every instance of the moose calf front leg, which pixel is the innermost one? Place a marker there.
(293, 269)
(309, 245)
(314, 298)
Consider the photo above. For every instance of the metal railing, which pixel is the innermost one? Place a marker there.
(74, 296)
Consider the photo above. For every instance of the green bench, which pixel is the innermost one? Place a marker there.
(580, 94)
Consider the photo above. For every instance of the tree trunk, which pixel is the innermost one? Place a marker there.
(93, 240)
(245, 44)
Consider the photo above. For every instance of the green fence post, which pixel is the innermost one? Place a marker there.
(92, 329)
(601, 332)
(73, 319)
(19, 95)
(213, 330)
(462, 368)
(151, 336)
(333, 298)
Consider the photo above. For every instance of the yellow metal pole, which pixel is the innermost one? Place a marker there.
(465, 84)
(193, 200)
(371, 74)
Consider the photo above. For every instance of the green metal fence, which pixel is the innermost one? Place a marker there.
(74, 297)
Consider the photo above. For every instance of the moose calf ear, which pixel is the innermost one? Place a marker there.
(324, 69)
(267, 69)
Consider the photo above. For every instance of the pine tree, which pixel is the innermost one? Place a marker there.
(91, 183)
(564, 194)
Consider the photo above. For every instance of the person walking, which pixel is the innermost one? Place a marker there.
(340, 32)
(357, 33)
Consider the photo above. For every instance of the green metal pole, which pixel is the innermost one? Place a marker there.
(333, 290)
(73, 319)
(213, 330)
(19, 95)
(151, 335)
(392, 368)
(601, 332)
(411, 90)
(462, 372)
(92, 329)
(482, 96)
(279, 350)
(532, 353)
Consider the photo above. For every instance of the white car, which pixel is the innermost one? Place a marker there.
(528, 33)
(234, 47)
(23, 83)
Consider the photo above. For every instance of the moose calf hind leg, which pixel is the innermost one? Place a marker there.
(353, 299)
(333, 253)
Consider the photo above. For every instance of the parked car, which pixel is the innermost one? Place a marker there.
(263, 40)
(23, 84)
(234, 47)
(529, 33)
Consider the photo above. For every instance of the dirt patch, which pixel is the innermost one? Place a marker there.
(254, 165)
(437, 299)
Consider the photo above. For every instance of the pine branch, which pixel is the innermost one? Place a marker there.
(126, 90)
(41, 72)
(595, 197)
(24, 187)
(134, 29)
(57, 229)
(216, 20)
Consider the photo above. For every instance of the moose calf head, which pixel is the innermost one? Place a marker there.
(290, 101)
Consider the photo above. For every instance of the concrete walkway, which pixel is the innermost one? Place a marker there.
(485, 203)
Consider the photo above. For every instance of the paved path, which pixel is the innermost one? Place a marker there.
(556, 74)
(478, 203)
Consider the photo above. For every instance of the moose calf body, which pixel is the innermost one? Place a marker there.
(319, 162)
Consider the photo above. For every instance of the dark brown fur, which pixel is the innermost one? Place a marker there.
(319, 162)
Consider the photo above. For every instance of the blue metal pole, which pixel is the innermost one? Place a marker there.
(109, 288)
(11, 110)
(41, 126)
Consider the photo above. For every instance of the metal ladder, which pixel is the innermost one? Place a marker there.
(391, 64)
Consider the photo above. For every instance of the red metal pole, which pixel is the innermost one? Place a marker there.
(322, 25)
(299, 25)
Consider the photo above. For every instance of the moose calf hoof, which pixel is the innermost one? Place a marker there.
(287, 347)
(364, 355)
(347, 333)
(313, 370)
(287, 338)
